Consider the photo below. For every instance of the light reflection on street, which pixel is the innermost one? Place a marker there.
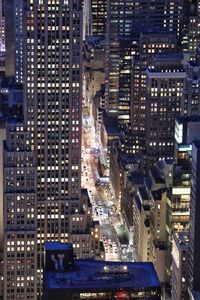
(100, 193)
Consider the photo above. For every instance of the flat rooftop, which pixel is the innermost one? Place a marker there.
(157, 194)
(136, 178)
(182, 239)
(143, 193)
(57, 246)
(107, 275)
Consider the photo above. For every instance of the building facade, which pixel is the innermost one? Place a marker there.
(2, 39)
(9, 38)
(194, 260)
(20, 214)
(119, 24)
(99, 17)
(165, 84)
(180, 266)
(150, 43)
(51, 205)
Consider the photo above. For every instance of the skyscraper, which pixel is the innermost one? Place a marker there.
(165, 14)
(190, 103)
(151, 43)
(20, 218)
(53, 89)
(164, 84)
(120, 22)
(122, 17)
(99, 13)
(19, 31)
(193, 28)
(52, 79)
(53, 111)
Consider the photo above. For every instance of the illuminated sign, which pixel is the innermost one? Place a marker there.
(181, 191)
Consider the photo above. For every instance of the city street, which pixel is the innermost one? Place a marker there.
(102, 198)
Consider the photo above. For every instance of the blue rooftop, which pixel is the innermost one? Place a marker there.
(57, 246)
(101, 274)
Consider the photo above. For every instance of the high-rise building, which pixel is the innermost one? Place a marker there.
(158, 249)
(19, 31)
(14, 38)
(122, 17)
(52, 78)
(180, 266)
(150, 43)
(99, 17)
(165, 82)
(165, 14)
(120, 23)
(124, 97)
(53, 90)
(193, 28)
(20, 214)
(194, 254)
(141, 230)
(190, 103)
(9, 38)
(53, 111)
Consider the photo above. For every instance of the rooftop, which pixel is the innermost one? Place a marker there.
(101, 274)
(111, 126)
(156, 176)
(171, 56)
(148, 182)
(136, 178)
(182, 239)
(157, 195)
(182, 119)
(143, 193)
(129, 158)
(57, 246)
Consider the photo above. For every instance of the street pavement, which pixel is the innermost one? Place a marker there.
(103, 203)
